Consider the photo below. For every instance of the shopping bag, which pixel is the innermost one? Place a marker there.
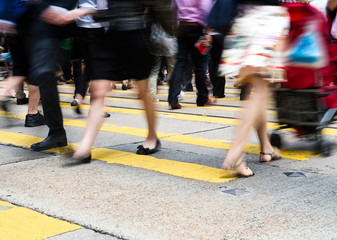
(222, 14)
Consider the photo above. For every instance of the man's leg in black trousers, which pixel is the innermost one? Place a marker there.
(177, 77)
(215, 58)
(200, 69)
(43, 63)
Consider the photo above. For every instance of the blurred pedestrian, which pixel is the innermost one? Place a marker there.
(118, 52)
(191, 17)
(251, 57)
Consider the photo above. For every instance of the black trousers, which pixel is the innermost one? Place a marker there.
(213, 66)
(43, 64)
(187, 37)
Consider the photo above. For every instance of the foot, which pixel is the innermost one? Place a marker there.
(82, 158)
(22, 101)
(34, 120)
(52, 141)
(144, 150)
(175, 106)
(240, 167)
(75, 104)
(124, 87)
(270, 156)
(210, 101)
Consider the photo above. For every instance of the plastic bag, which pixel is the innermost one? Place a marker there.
(161, 43)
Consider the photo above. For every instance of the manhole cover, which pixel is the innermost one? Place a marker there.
(236, 192)
(294, 174)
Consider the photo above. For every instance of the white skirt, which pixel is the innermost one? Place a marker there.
(255, 40)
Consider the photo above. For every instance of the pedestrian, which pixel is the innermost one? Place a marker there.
(42, 38)
(191, 17)
(250, 58)
(118, 52)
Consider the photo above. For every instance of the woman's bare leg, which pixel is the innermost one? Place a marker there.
(151, 118)
(253, 116)
(98, 90)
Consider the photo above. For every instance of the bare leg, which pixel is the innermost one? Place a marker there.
(34, 99)
(151, 118)
(98, 90)
(12, 85)
(79, 98)
(254, 116)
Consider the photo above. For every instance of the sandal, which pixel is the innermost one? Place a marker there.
(146, 151)
(241, 168)
(275, 155)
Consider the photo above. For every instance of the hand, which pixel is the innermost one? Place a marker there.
(61, 17)
(207, 41)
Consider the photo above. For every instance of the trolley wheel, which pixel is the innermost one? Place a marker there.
(324, 147)
(276, 140)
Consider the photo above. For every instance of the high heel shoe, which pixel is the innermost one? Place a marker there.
(74, 103)
(275, 155)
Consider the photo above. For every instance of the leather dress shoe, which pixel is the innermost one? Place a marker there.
(176, 106)
(34, 120)
(49, 142)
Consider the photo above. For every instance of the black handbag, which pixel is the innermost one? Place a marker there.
(222, 14)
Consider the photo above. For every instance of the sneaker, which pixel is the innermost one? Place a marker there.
(181, 96)
(34, 120)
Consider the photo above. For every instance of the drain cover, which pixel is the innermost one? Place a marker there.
(236, 192)
(294, 174)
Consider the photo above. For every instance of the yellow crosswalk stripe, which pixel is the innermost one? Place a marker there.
(175, 168)
(18, 223)
(294, 154)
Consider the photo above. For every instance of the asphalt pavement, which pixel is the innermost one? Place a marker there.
(178, 193)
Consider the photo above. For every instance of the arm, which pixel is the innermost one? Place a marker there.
(60, 16)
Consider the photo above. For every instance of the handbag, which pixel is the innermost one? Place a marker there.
(162, 43)
(222, 14)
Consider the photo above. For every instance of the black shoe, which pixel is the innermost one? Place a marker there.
(124, 87)
(4, 105)
(175, 106)
(106, 115)
(34, 120)
(74, 103)
(83, 160)
(22, 101)
(49, 142)
(146, 151)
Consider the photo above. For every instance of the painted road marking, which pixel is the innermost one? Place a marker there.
(175, 168)
(294, 154)
(19, 223)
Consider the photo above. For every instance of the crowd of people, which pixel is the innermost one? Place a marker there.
(106, 41)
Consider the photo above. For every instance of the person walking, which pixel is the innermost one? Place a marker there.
(191, 17)
(117, 52)
(251, 58)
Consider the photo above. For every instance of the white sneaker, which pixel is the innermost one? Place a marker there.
(181, 96)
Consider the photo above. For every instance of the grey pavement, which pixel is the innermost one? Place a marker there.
(114, 201)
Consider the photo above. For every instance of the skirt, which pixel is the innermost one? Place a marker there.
(255, 40)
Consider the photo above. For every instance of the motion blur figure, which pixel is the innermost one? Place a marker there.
(117, 52)
(252, 58)
(191, 17)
